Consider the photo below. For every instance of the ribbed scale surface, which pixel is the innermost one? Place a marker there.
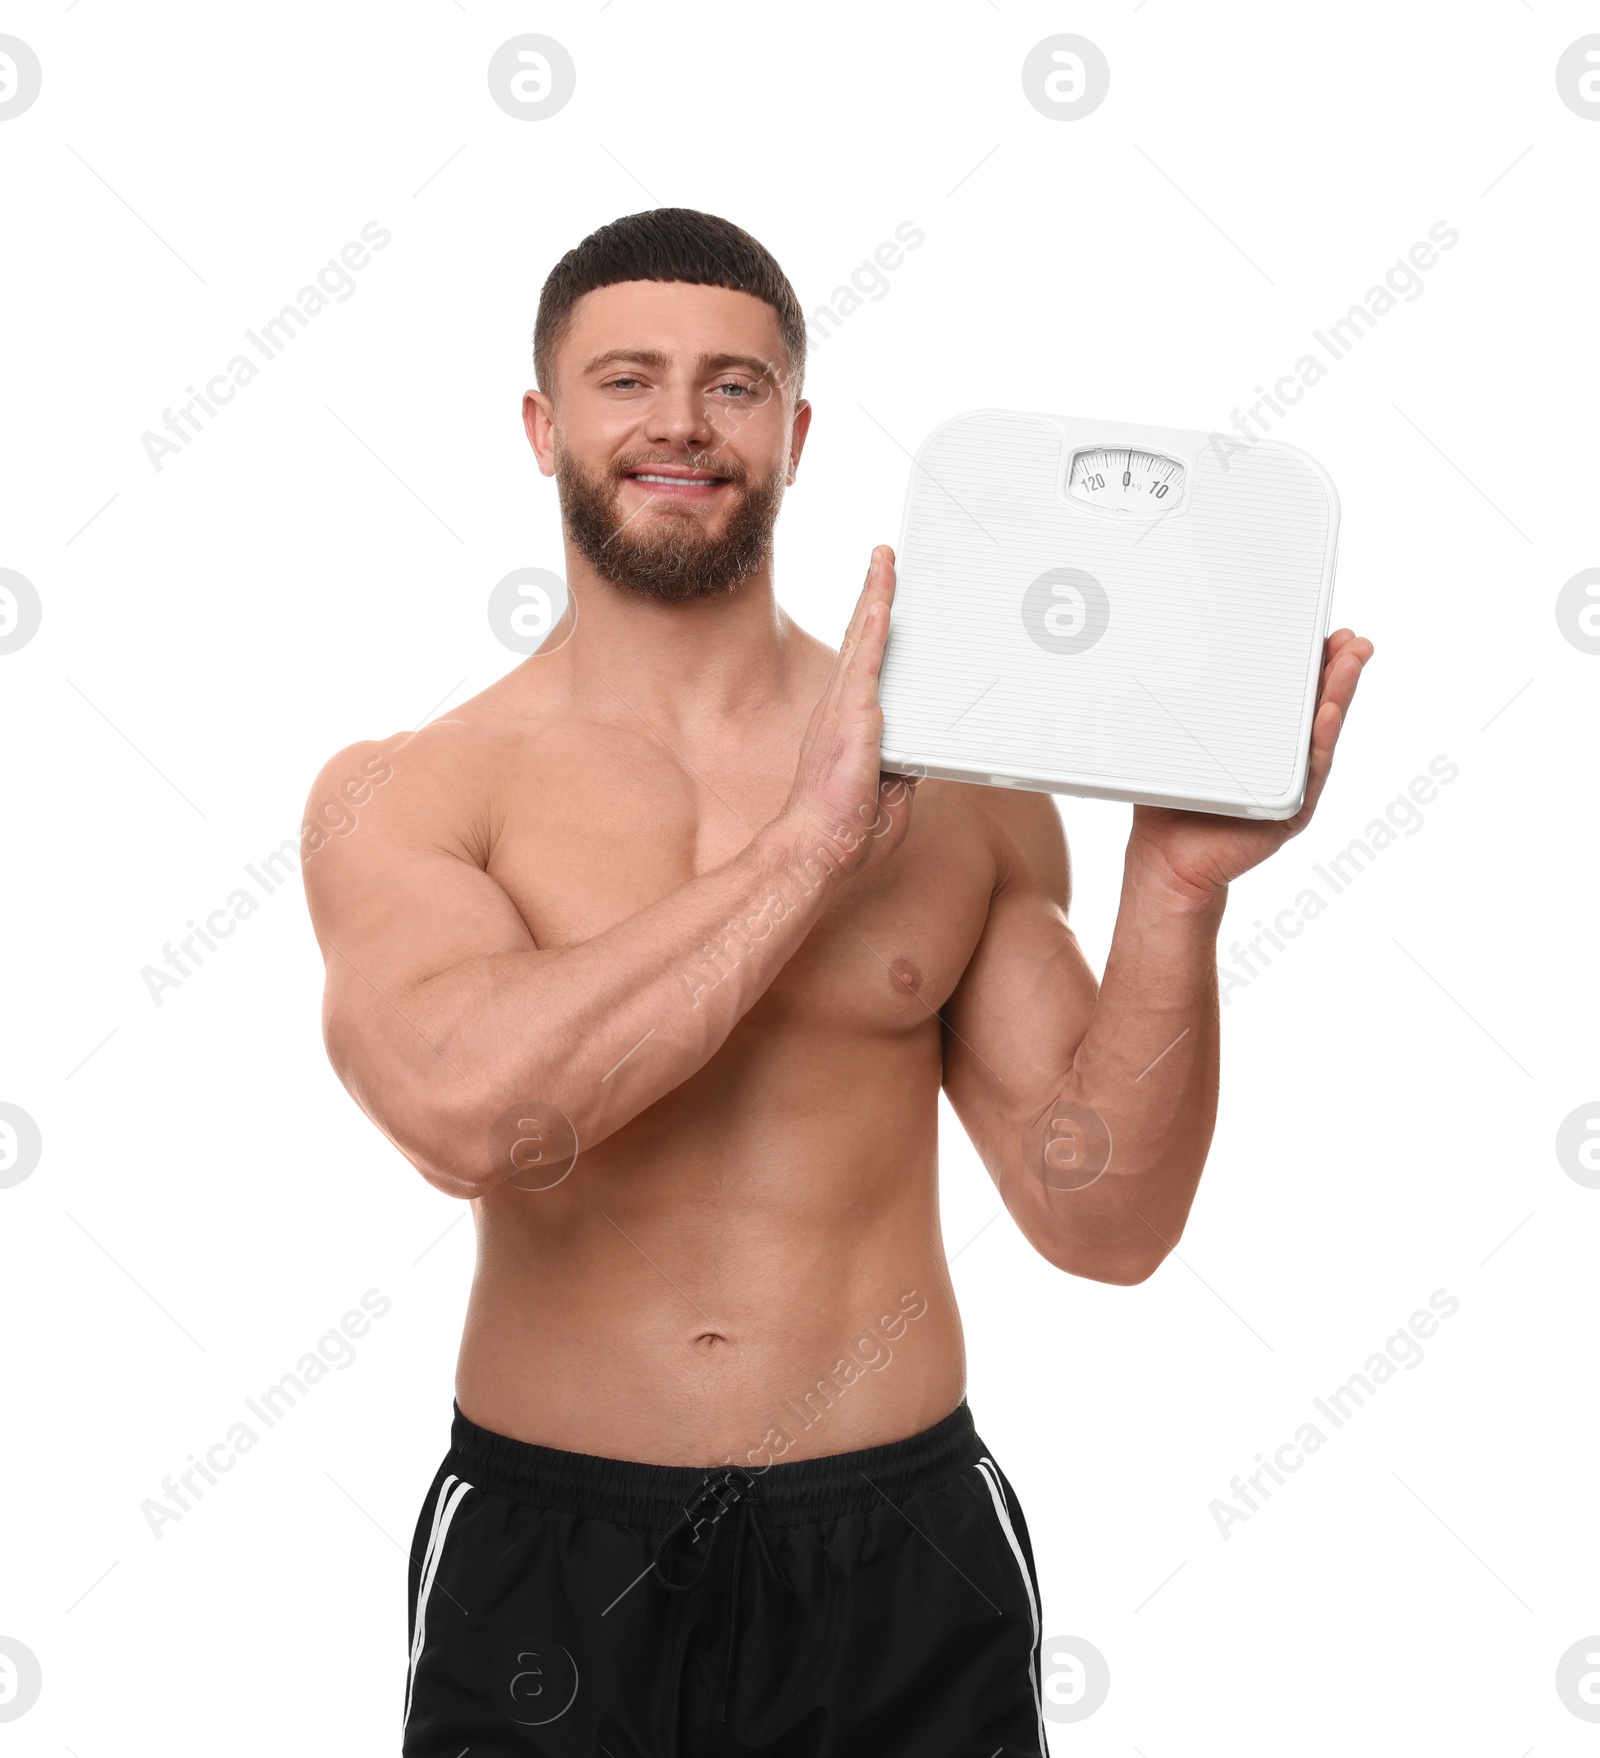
(1198, 690)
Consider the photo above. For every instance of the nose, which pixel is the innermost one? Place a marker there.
(680, 418)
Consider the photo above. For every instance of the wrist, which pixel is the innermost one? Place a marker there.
(1151, 876)
(802, 851)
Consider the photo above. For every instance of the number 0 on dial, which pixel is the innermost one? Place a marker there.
(1130, 483)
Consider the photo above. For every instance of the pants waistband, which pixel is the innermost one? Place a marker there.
(628, 1492)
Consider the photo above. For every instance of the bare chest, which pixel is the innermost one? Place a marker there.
(582, 840)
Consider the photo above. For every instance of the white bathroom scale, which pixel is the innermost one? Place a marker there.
(1129, 613)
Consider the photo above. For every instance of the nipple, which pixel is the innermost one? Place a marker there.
(905, 976)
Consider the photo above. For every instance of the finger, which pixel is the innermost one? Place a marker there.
(879, 582)
(866, 660)
(1346, 654)
(1340, 642)
(852, 634)
(1324, 736)
(858, 616)
(1332, 648)
(1343, 672)
(1328, 722)
(871, 594)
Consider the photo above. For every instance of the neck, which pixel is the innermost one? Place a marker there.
(710, 657)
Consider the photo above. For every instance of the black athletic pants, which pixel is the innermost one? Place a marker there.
(863, 1605)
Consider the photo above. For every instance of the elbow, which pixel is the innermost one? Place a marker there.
(439, 1134)
(471, 1150)
(434, 1149)
(467, 1142)
(465, 1136)
(1121, 1269)
(1126, 1272)
(448, 1180)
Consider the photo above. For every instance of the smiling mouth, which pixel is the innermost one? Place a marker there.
(683, 484)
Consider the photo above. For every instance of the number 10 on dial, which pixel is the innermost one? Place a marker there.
(1127, 482)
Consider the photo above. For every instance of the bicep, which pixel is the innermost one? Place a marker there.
(1024, 1002)
(396, 898)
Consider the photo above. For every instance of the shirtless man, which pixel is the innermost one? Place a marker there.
(639, 953)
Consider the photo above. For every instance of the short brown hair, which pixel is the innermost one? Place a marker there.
(666, 244)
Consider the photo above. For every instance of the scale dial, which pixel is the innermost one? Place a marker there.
(1126, 481)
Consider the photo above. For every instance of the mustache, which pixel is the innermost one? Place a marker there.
(730, 468)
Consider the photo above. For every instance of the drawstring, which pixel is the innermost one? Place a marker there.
(764, 1544)
(731, 1488)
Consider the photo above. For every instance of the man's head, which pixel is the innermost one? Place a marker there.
(670, 351)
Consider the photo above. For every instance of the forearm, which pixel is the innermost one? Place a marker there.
(1147, 1069)
(601, 1030)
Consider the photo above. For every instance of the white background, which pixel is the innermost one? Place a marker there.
(209, 1201)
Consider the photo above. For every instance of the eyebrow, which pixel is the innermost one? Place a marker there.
(658, 361)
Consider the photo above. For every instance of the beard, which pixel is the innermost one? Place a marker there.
(667, 554)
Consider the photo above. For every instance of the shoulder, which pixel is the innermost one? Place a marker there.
(1023, 830)
(421, 780)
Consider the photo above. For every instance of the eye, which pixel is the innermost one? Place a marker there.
(617, 384)
(734, 385)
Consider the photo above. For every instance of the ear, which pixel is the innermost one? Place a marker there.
(797, 435)
(539, 423)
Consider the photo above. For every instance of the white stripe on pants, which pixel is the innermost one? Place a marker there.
(991, 1476)
(444, 1510)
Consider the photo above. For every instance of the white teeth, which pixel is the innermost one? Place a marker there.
(640, 476)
